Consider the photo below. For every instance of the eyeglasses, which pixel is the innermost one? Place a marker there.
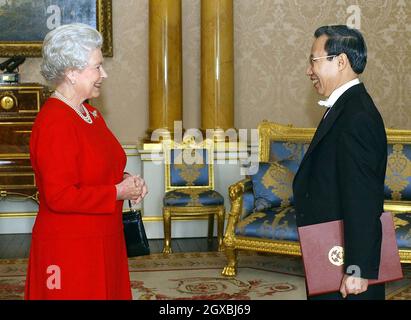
(313, 59)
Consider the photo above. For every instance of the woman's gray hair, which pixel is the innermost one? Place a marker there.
(68, 47)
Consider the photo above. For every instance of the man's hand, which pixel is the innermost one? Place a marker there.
(353, 285)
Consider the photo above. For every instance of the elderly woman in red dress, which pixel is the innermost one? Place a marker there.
(78, 247)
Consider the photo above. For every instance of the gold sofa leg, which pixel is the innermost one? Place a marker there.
(167, 230)
(230, 270)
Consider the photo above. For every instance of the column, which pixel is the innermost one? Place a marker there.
(217, 71)
(165, 65)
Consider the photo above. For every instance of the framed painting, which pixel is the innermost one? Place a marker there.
(24, 23)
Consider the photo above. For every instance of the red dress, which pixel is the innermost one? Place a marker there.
(78, 248)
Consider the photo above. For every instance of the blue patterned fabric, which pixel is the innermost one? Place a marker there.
(248, 204)
(398, 174)
(402, 223)
(274, 224)
(272, 184)
(189, 167)
(192, 198)
(282, 150)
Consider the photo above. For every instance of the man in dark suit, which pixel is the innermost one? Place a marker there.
(343, 171)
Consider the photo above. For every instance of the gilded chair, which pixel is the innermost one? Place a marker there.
(189, 187)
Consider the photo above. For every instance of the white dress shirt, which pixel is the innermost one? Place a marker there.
(336, 94)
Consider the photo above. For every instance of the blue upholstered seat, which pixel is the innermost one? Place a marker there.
(193, 198)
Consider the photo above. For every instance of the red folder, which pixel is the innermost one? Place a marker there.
(322, 252)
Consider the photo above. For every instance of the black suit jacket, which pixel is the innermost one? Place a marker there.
(342, 177)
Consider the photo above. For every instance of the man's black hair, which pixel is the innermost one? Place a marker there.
(342, 39)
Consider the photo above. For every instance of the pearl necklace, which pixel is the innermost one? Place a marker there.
(86, 118)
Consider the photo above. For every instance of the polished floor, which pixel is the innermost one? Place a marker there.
(14, 246)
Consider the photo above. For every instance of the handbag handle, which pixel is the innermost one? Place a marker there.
(131, 207)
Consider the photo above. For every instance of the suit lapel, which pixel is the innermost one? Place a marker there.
(327, 123)
(325, 126)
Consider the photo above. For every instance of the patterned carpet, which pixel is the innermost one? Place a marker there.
(196, 276)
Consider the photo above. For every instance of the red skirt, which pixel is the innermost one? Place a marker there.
(78, 268)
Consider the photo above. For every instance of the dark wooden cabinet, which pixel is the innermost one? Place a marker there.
(19, 105)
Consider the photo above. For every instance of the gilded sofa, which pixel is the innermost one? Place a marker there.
(256, 224)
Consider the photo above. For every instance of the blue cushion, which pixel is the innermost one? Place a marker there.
(191, 197)
(398, 174)
(272, 184)
(189, 167)
(273, 224)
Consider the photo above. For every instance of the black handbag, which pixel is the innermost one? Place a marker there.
(134, 233)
